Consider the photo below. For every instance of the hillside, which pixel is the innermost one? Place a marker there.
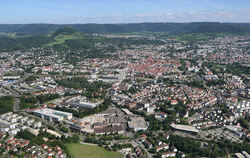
(172, 28)
(68, 38)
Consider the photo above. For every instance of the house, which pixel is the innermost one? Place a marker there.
(148, 144)
(57, 148)
(143, 137)
(158, 142)
(37, 125)
(168, 154)
(30, 122)
(174, 102)
(5, 129)
(50, 153)
(138, 152)
(162, 114)
(21, 127)
(173, 149)
(159, 148)
(165, 135)
(22, 120)
(14, 131)
(182, 154)
(13, 120)
(12, 126)
(44, 146)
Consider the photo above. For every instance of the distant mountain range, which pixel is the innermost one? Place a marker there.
(172, 28)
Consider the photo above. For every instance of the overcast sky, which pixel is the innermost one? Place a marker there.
(122, 11)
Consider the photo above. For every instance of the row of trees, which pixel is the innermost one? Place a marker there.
(213, 149)
(116, 146)
(82, 83)
(47, 97)
(27, 102)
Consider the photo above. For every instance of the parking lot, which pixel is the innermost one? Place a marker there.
(220, 133)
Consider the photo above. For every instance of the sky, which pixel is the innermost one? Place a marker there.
(122, 11)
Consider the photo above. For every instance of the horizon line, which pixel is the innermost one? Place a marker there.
(124, 23)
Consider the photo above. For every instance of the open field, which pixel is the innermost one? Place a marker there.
(78, 150)
(62, 38)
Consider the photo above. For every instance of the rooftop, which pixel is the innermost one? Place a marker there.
(184, 128)
(51, 112)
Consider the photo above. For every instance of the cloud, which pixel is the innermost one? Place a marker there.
(202, 16)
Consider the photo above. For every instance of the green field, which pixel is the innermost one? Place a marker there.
(88, 151)
(62, 38)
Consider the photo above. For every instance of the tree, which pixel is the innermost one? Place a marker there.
(244, 123)
(6, 104)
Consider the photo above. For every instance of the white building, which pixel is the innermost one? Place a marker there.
(14, 131)
(51, 115)
(37, 125)
(82, 104)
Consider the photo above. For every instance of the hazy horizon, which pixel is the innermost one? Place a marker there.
(118, 11)
(122, 23)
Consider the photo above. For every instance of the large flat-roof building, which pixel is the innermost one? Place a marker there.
(138, 123)
(51, 115)
(110, 121)
(185, 128)
(80, 102)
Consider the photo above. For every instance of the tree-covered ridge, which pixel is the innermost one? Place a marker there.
(173, 28)
(10, 44)
(64, 31)
(71, 37)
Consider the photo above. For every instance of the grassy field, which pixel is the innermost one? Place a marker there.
(88, 151)
(62, 38)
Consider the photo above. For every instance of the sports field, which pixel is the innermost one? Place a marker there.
(78, 150)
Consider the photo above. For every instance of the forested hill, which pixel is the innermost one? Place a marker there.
(172, 28)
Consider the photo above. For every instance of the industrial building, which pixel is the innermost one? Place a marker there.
(110, 121)
(80, 102)
(108, 129)
(51, 115)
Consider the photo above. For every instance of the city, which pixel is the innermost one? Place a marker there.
(112, 87)
(138, 101)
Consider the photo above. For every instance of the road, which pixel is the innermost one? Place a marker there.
(16, 98)
(138, 143)
(15, 94)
